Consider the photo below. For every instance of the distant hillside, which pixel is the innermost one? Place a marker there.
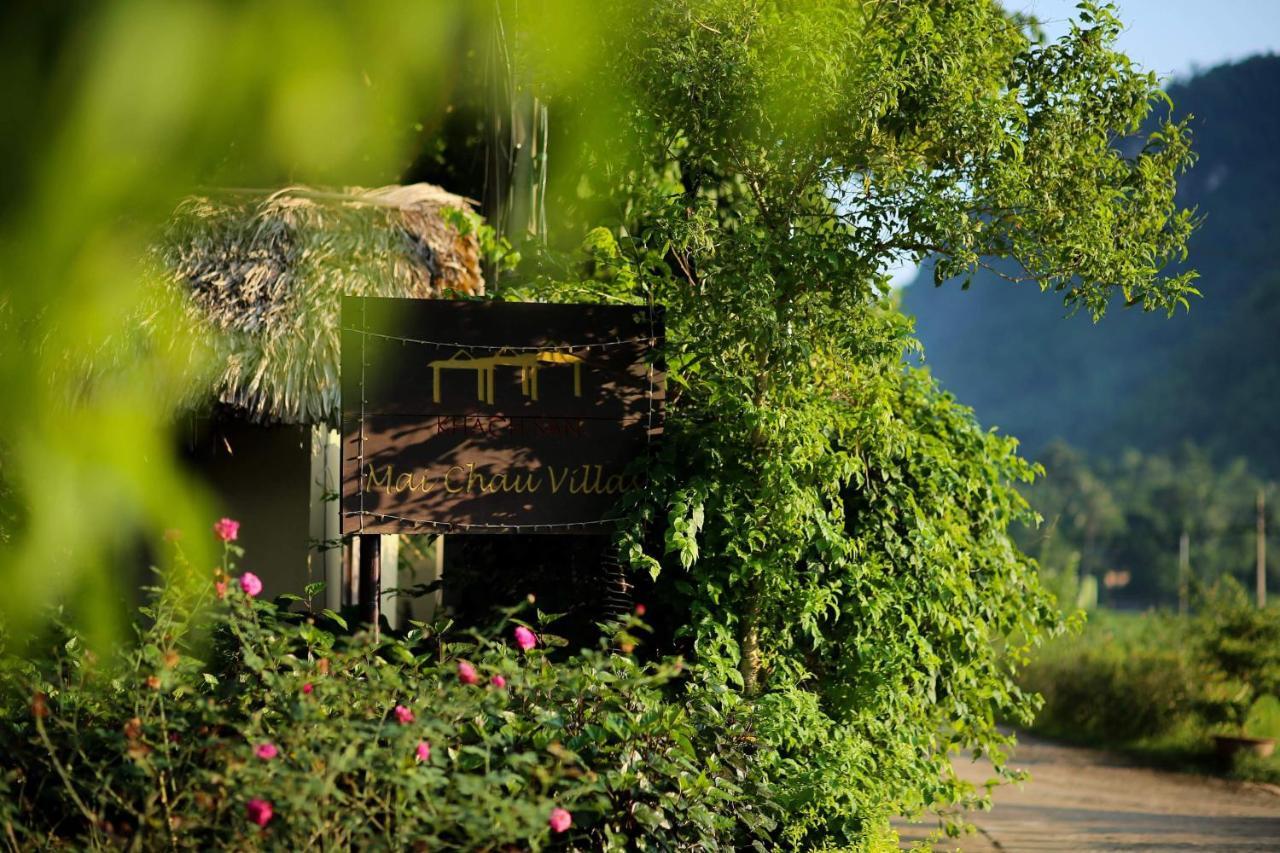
(1138, 380)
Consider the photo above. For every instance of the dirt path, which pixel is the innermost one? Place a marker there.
(1083, 800)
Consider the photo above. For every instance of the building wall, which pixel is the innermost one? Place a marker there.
(280, 482)
(261, 476)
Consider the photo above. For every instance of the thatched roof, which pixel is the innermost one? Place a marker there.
(266, 274)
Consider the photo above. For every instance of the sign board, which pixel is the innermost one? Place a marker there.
(489, 417)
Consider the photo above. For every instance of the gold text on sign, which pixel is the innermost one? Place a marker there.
(586, 479)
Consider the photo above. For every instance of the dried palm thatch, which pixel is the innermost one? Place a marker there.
(267, 276)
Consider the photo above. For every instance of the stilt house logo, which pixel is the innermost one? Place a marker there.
(485, 367)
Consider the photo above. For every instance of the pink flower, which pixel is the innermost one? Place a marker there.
(560, 820)
(259, 811)
(424, 751)
(251, 584)
(467, 673)
(640, 609)
(525, 638)
(499, 682)
(266, 751)
(307, 688)
(220, 588)
(227, 529)
(403, 715)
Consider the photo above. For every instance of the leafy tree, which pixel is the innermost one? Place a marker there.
(838, 523)
(1128, 514)
(1077, 518)
(1079, 501)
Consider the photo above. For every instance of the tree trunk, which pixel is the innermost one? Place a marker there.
(749, 627)
(749, 642)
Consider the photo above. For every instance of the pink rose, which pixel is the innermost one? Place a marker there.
(423, 751)
(560, 820)
(307, 688)
(403, 715)
(227, 529)
(266, 751)
(467, 673)
(251, 584)
(525, 638)
(259, 811)
(499, 682)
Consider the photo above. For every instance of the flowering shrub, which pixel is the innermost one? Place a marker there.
(250, 584)
(227, 529)
(525, 638)
(237, 722)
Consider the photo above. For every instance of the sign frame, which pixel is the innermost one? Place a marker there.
(602, 392)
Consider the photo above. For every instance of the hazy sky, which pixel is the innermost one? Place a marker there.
(1171, 37)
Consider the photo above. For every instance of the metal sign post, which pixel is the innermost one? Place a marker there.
(371, 581)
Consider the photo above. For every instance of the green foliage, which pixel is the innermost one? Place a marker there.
(1158, 685)
(1240, 645)
(1263, 721)
(1124, 680)
(837, 524)
(157, 747)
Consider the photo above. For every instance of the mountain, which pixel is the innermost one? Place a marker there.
(1146, 381)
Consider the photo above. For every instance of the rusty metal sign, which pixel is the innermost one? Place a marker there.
(487, 417)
